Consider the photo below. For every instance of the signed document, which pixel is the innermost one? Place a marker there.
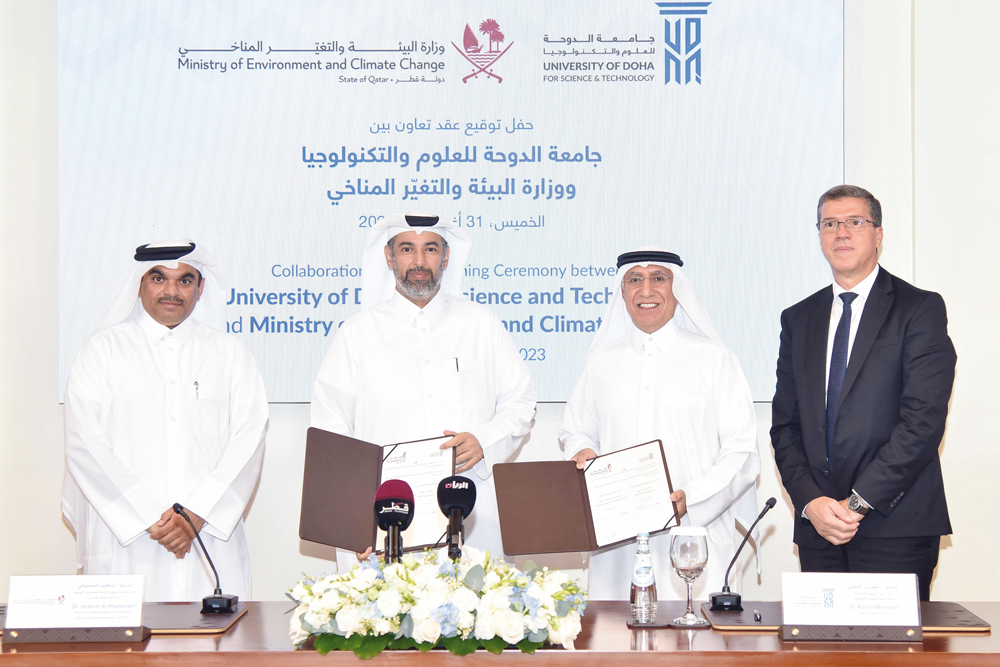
(421, 464)
(630, 493)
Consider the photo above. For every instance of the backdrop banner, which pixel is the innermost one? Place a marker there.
(557, 135)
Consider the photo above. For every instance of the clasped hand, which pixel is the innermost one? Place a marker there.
(833, 520)
(174, 533)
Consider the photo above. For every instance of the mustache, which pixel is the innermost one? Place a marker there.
(170, 299)
(422, 269)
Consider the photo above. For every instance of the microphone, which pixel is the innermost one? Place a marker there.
(456, 498)
(217, 603)
(726, 601)
(393, 514)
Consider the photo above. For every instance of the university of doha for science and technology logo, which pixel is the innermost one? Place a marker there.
(682, 40)
(483, 56)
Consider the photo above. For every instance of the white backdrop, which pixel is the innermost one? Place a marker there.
(183, 119)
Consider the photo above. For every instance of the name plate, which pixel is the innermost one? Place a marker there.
(843, 606)
(74, 608)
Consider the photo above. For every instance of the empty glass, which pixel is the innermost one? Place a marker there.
(689, 555)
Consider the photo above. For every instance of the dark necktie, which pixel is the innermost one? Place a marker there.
(838, 369)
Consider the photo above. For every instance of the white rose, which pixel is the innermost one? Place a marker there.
(510, 626)
(299, 593)
(389, 602)
(316, 618)
(295, 629)
(382, 626)
(427, 630)
(362, 579)
(465, 621)
(465, 599)
(568, 629)
(348, 620)
(551, 586)
(492, 579)
(424, 574)
(394, 572)
(545, 600)
(497, 599)
(435, 593)
(485, 625)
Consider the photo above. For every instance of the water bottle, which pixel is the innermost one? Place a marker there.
(643, 596)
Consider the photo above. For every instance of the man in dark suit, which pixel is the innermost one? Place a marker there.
(865, 371)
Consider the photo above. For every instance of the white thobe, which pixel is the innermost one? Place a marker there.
(156, 416)
(396, 373)
(689, 392)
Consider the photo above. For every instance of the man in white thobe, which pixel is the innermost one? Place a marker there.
(162, 408)
(419, 361)
(657, 369)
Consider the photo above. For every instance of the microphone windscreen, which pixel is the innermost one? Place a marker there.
(394, 505)
(456, 492)
(394, 488)
(771, 501)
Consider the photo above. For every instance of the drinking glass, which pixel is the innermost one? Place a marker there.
(689, 555)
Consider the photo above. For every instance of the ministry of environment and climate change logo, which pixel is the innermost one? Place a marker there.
(682, 40)
(480, 58)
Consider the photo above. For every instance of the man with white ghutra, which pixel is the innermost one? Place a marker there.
(164, 407)
(421, 361)
(657, 369)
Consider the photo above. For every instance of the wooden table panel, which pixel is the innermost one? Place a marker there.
(261, 640)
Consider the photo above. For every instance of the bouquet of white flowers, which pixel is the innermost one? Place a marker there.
(428, 600)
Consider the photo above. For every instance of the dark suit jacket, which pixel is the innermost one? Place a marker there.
(892, 411)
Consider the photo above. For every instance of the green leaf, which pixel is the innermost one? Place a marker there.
(495, 645)
(327, 642)
(459, 646)
(402, 643)
(371, 646)
(563, 608)
(476, 578)
(425, 646)
(353, 643)
(528, 646)
(537, 637)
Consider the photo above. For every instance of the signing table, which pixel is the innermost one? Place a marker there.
(261, 639)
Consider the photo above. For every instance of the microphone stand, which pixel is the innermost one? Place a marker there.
(216, 603)
(726, 601)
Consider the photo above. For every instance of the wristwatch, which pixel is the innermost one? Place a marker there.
(855, 504)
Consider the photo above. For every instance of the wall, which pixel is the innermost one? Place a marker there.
(919, 127)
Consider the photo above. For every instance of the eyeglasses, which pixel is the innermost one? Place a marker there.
(830, 226)
(635, 280)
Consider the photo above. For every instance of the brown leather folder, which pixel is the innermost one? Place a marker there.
(339, 484)
(341, 478)
(544, 507)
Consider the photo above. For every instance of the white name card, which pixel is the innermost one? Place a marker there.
(75, 601)
(850, 599)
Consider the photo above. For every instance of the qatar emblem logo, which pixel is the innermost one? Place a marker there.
(480, 58)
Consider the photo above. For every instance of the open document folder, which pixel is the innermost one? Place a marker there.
(342, 475)
(552, 507)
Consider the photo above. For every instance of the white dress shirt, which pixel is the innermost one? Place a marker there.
(397, 372)
(155, 416)
(690, 393)
(862, 289)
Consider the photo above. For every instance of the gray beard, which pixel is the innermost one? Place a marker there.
(413, 290)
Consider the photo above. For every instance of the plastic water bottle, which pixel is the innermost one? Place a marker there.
(643, 596)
